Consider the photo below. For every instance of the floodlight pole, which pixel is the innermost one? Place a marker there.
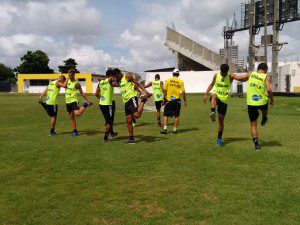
(266, 32)
(275, 49)
(251, 59)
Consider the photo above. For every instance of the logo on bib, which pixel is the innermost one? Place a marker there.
(256, 97)
(102, 98)
(172, 98)
(158, 95)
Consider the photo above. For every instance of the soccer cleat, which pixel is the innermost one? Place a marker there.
(74, 134)
(219, 142)
(52, 133)
(175, 132)
(129, 142)
(257, 148)
(264, 121)
(113, 134)
(164, 131)
(213, 116)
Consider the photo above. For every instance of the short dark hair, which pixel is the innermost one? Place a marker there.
(116, 71)
(110, 72)
(62, 77)
(157, 76)
(263, 66)
(224, 68)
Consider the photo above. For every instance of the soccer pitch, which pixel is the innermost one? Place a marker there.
(162, 179)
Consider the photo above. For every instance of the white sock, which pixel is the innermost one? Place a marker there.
(165, 127)
(174, 129)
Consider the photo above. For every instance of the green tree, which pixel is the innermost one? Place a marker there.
(34, 62)
(69, 64)
(7, 74)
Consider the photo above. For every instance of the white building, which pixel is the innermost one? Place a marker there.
(289, 77)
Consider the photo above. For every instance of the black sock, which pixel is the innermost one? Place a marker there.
(131, 138)
(158, 120)
(255, 141)
(52, 130)
(106, 135)
(111, 131)
(75, 130)
(133, 120)
(220, 134)
(213, 110)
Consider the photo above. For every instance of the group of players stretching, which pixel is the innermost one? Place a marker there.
(167, 94)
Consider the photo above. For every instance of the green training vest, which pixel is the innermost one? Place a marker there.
(127, 89)
(107, 91)
(256, 90)
(52, 93)
(222, 87)
(71, 92)
(157, 91)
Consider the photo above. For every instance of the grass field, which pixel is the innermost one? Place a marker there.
(172, 179)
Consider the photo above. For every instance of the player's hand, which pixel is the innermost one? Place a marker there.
(185, 104)
(148, 94)
(90, 103)
(271, 104)
(205, 98)
(164, 101)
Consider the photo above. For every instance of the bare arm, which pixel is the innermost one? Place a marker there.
(60, 84)
(131, 79)
(243, 78)
(209, 88)
(65, 84)
(162, 85)
(97, 93)
(78, 87)
(184, 98)
(269, 90)
(148, 85)
(43, 94)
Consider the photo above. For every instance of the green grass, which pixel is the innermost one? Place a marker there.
(172, 179)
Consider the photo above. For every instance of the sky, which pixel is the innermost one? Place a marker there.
(129, 33)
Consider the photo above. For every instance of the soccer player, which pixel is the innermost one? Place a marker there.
(171, 89)
(221, 84)
(51, 101)
(258, 85)
(72, 102)
(132, 109)
(157, 87)
(104, 92)
(138, 95)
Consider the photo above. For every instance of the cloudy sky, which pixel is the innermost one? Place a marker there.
(129, 33)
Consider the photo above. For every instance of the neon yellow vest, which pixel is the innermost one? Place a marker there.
(222, 87)
(71, 92)
(127, 89)
(106, 92)
(52, 93)
(256, 90)
(157, 91)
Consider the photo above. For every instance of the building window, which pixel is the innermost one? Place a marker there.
(39, 82)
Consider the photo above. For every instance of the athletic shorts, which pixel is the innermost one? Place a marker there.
(221, 107)
(158, 105)
(172, 108)
(72, 106)
(51, 110)
(131, 106)
(253, 111)
(108, 113)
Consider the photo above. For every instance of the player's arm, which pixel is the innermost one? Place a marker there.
(65, 84)
(78, 87)
(209, 88)
(138, 90)
(60, 84)
(148, 85)
(113, 82)
(162, 85)
(164, 89)
(184, 98)
(243, 78)
(43, 93)
(97, 93)
(131, 79)
(269, 90)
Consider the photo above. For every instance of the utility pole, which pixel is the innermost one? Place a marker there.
(226, 60)
(275, 49)
(251, 59)
(266, 32)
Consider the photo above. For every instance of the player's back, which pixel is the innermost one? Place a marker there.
(173, 86)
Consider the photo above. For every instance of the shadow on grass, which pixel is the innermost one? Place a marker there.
(187, 130)
(271, 143)
(141, 138)
(230, 140)
(83, 132)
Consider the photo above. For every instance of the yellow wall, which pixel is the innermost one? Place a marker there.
(86, 76)
(296, 89)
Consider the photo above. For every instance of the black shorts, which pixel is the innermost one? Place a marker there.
(131, 106)
(158, 105)
(51, 110)
(172, 108)
(72, 106)
(253, 111)
(222, 107)
(108, 113)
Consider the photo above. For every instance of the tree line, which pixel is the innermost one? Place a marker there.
(36, 62)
